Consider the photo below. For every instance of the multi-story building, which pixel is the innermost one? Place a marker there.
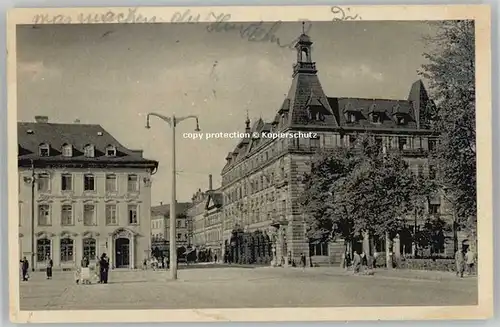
(81, 193)
(196, 214)
(206, 217)
(263, 176)
(160, 227)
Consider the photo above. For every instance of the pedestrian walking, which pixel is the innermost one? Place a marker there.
(303, 261)
(460, 263)
(104, 268)
(356, 263)
(348, 260)
(50, 264)
(24, 269)
(470, 259)
(364, 262)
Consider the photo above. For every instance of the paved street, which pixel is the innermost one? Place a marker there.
(233, 287)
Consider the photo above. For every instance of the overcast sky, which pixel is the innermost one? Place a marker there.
(114, 74)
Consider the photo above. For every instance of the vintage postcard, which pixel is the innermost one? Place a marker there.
(311, 163)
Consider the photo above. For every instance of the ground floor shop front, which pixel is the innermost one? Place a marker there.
(125, 248)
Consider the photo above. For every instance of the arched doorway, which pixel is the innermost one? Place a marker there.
(122, 252)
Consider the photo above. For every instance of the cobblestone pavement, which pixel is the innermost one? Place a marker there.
(235, 287)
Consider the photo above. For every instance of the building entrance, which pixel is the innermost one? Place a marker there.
(122, 253)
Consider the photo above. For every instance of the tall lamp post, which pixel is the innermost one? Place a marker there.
(173, 121)
(32, 180)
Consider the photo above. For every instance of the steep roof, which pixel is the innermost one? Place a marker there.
(31, 135)
(164, 210)
(306, 91)
(306, 105)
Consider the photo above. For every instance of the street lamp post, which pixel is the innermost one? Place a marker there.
(33, 181)
(173, 121)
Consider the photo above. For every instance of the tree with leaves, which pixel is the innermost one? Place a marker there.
(360, 189)
(325, 219)
(450, 72)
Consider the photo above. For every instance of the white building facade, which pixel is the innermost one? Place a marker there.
(81, 194)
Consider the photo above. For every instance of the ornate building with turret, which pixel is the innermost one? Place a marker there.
(263, 177)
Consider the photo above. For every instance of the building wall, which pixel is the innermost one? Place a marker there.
(213, 231)
(103, 233)
(158, 228)
(264, 189)
(197, 215)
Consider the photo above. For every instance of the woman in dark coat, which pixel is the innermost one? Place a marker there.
(50, 263)
(103, 269)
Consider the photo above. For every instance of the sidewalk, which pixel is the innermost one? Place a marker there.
(403, 274)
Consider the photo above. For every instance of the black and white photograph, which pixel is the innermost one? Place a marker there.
(188, 159)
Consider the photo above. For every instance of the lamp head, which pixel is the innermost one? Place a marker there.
(147, 123)
(197, 129)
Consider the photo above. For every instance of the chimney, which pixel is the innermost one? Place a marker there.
(210, 182)
(42, 119)
(161, 203)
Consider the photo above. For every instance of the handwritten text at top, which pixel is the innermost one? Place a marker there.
(253, 32)
(342, 14)
(131, 16)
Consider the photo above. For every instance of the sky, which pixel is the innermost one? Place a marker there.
(114, 74)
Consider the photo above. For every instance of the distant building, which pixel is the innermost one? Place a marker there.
(160, 227)
(81, 193)
(263, 176)
(206, 217)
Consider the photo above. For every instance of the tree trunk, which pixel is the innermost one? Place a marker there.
(366, 243)
(388, 251)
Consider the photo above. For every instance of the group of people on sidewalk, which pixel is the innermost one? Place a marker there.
(465, 261)
(155, 263)
(359, 263)
(102, 265)
(25, 268)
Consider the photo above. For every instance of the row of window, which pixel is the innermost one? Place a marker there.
(158, 224)
(67, 249)
(255, 161)
(352, 116)
(400, 142)
(89, 215)
(89, 182)
(161, 237)
(67, 150)
(253, 185)
(318, 249)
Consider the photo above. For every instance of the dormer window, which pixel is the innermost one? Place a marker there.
(44, 150)
(350, 117)
(402, 143)
(400, 120)
(67, 150)
(111, 151)
(89, 151)
(377, 117)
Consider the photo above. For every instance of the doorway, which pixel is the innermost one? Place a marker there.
(122, 253)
